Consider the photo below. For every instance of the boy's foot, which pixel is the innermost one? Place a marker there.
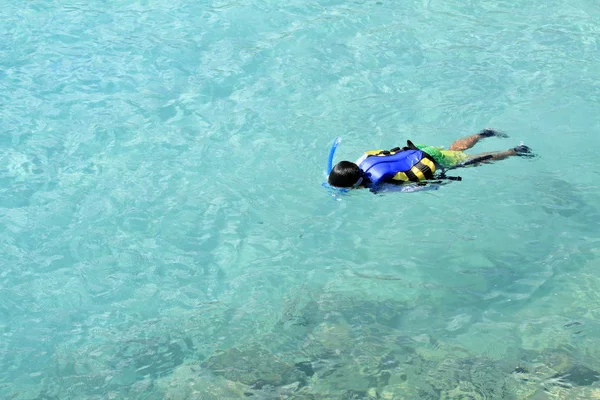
(524, 151)
(490, 132)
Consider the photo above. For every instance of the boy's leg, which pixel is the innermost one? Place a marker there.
(521, 150)
(465, 143)
(470, 141)
(490, 156)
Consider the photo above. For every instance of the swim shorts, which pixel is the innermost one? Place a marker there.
(445, 158)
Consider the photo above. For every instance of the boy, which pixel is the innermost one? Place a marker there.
(415, 163)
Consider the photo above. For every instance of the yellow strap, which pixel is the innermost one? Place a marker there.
(429, 163)
(380, 153)
(400, 176)
(415, 170)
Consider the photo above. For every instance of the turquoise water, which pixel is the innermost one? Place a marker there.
(164, 232)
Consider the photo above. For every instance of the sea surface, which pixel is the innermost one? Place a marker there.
(164, 231)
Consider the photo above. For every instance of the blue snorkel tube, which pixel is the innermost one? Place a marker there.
(334, 147)
(333, 190)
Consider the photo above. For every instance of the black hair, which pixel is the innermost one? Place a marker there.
(345, 174)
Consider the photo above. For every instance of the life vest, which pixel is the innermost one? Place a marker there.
(410, 165)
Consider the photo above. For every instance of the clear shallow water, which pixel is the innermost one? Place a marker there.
(164, 233)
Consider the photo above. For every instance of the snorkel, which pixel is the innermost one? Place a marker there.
(334, 147)
(334, 191)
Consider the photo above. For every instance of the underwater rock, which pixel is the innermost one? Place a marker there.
(359, 395)
(463, 390)
(557, 197)
(31, 392)
(187, 382)
(409, 391)
(254, 366)
(544, 334)
(560, 393)
(437, 351)
(579, 375)
(554, 374)
(471, 378)
(557, 360)
(363, 312)
(297, 317)
(338, 379)
(458, 322)
(153, 357)
(328, 341)
(306, 367)
(143, 388)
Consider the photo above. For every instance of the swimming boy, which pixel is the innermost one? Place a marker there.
(415, 163)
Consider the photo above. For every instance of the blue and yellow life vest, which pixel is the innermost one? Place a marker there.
(411, 165)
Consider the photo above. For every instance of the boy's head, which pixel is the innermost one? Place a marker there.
(345, 174)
